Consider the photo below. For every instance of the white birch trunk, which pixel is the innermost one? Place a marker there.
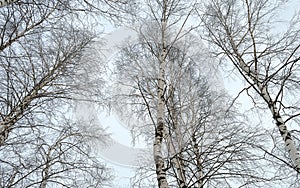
(45, 176)
(160, 124)
(45, 172)
(160, 128)
(178, 163)
(18, 111)
(286, 135)
(198, 162)
(175, 155)
(263, 91)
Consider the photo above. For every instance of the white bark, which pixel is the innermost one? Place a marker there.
(176, 157)
(263, 92)
(160, 128)
(160, 125)
(177, 162)
(198, 162)
(24, 105)
(286, 135)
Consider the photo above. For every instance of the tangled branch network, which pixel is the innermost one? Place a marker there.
(120, 151)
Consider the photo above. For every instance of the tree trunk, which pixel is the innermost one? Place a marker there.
(198, 162)
(263, 92)
(176, 157)
(286, 135)
(160, 124)
(160, 129)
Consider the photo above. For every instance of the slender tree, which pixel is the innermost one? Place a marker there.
(247, 34)
(203, 143)
(42, 47)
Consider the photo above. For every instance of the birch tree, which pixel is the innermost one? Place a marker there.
(161, 12)
(57, 155)
(197, 141)
(264, 49)
(27, 35)
(41, 52)
(204, 145)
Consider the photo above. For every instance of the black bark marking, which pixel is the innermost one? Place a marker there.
(288, 136)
